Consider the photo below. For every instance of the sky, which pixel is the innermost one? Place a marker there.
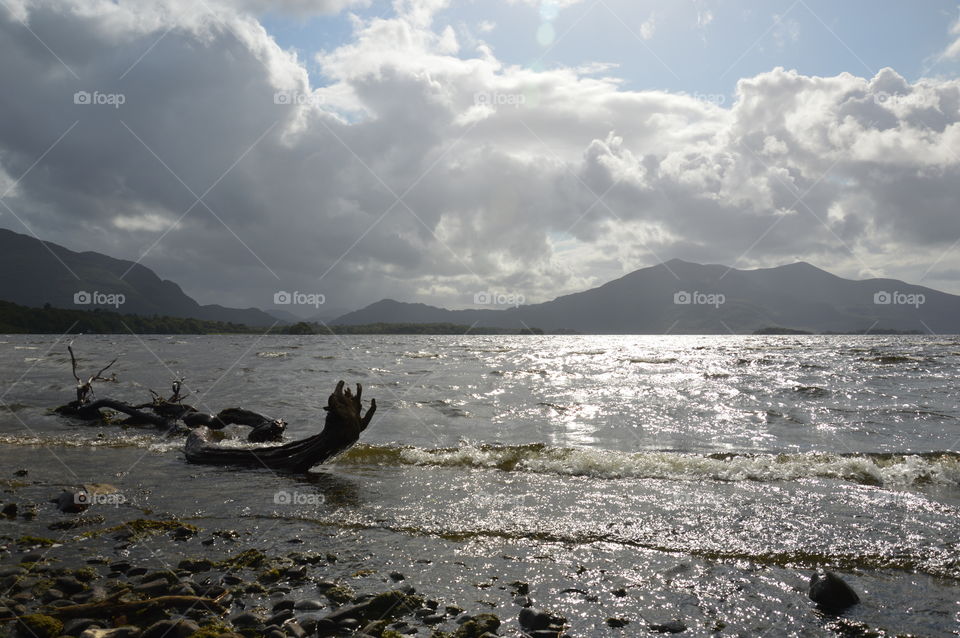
(433, 150)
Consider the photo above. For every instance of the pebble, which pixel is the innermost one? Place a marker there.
(246, 619)
(76, 626)
(309, 604)
(531, 619)
(280, 617)
(326, 627)
(670, 627)
(283, 604)
(127, 631)
(171, 629)
(832, 593)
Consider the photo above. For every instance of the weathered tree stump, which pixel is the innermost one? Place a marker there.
(344, 423)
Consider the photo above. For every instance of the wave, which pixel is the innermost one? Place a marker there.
(273, 354)
(884, 469)
(881, 469)
(119, 440)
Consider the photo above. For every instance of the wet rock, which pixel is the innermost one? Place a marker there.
(9, 510)
(280, 617)
(275, 633)
(831, 593)
(77, 626)
(246, 619)
(296, 573)
(153, 588)
(31, 557)
(127, 631)
(523, 601)
(669, 627)
(349, 624)
(326, 627)
(477, 626)
(294, 629)
(532, 619)
(195, 565)
(283, 605)
(619, 593)
(69, 585)
(171, 629)
(72, 501)
(38, 626)
(397, 576)
(309, 604)
(617, 622)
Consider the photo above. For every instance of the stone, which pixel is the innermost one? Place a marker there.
(532, 619)
(617, 622)
(669, 627)
(283, 604)
(127, 631)
(76, 626)
(831, 593)
(171, 629)
(246, 619)
(68, 585)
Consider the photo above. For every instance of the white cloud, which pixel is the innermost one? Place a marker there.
(648, 27)
(499, 167)
(953, 49)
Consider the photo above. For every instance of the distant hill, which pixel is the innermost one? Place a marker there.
(680, 297)
(34, 276)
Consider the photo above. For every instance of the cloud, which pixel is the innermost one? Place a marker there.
(952, 52)
(426, 168)
(648, 27)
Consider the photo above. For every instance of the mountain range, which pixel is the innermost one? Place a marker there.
(680, 297)
(675, 297)
(40, 272)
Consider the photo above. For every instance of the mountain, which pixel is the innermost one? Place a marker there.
(39, 272)
(680, 297)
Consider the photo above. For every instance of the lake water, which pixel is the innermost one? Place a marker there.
(648, 478)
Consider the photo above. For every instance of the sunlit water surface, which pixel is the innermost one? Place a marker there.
(705, 476)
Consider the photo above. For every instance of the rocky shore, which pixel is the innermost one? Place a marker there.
(246, 595)
(94, 580)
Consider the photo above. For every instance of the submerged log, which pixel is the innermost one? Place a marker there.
(344, 423)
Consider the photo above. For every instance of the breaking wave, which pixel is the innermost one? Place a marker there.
(882, 469)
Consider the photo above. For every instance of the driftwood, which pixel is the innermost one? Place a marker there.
(344, 423)
(169, 414)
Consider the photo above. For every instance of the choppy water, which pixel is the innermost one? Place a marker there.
(704, 475)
